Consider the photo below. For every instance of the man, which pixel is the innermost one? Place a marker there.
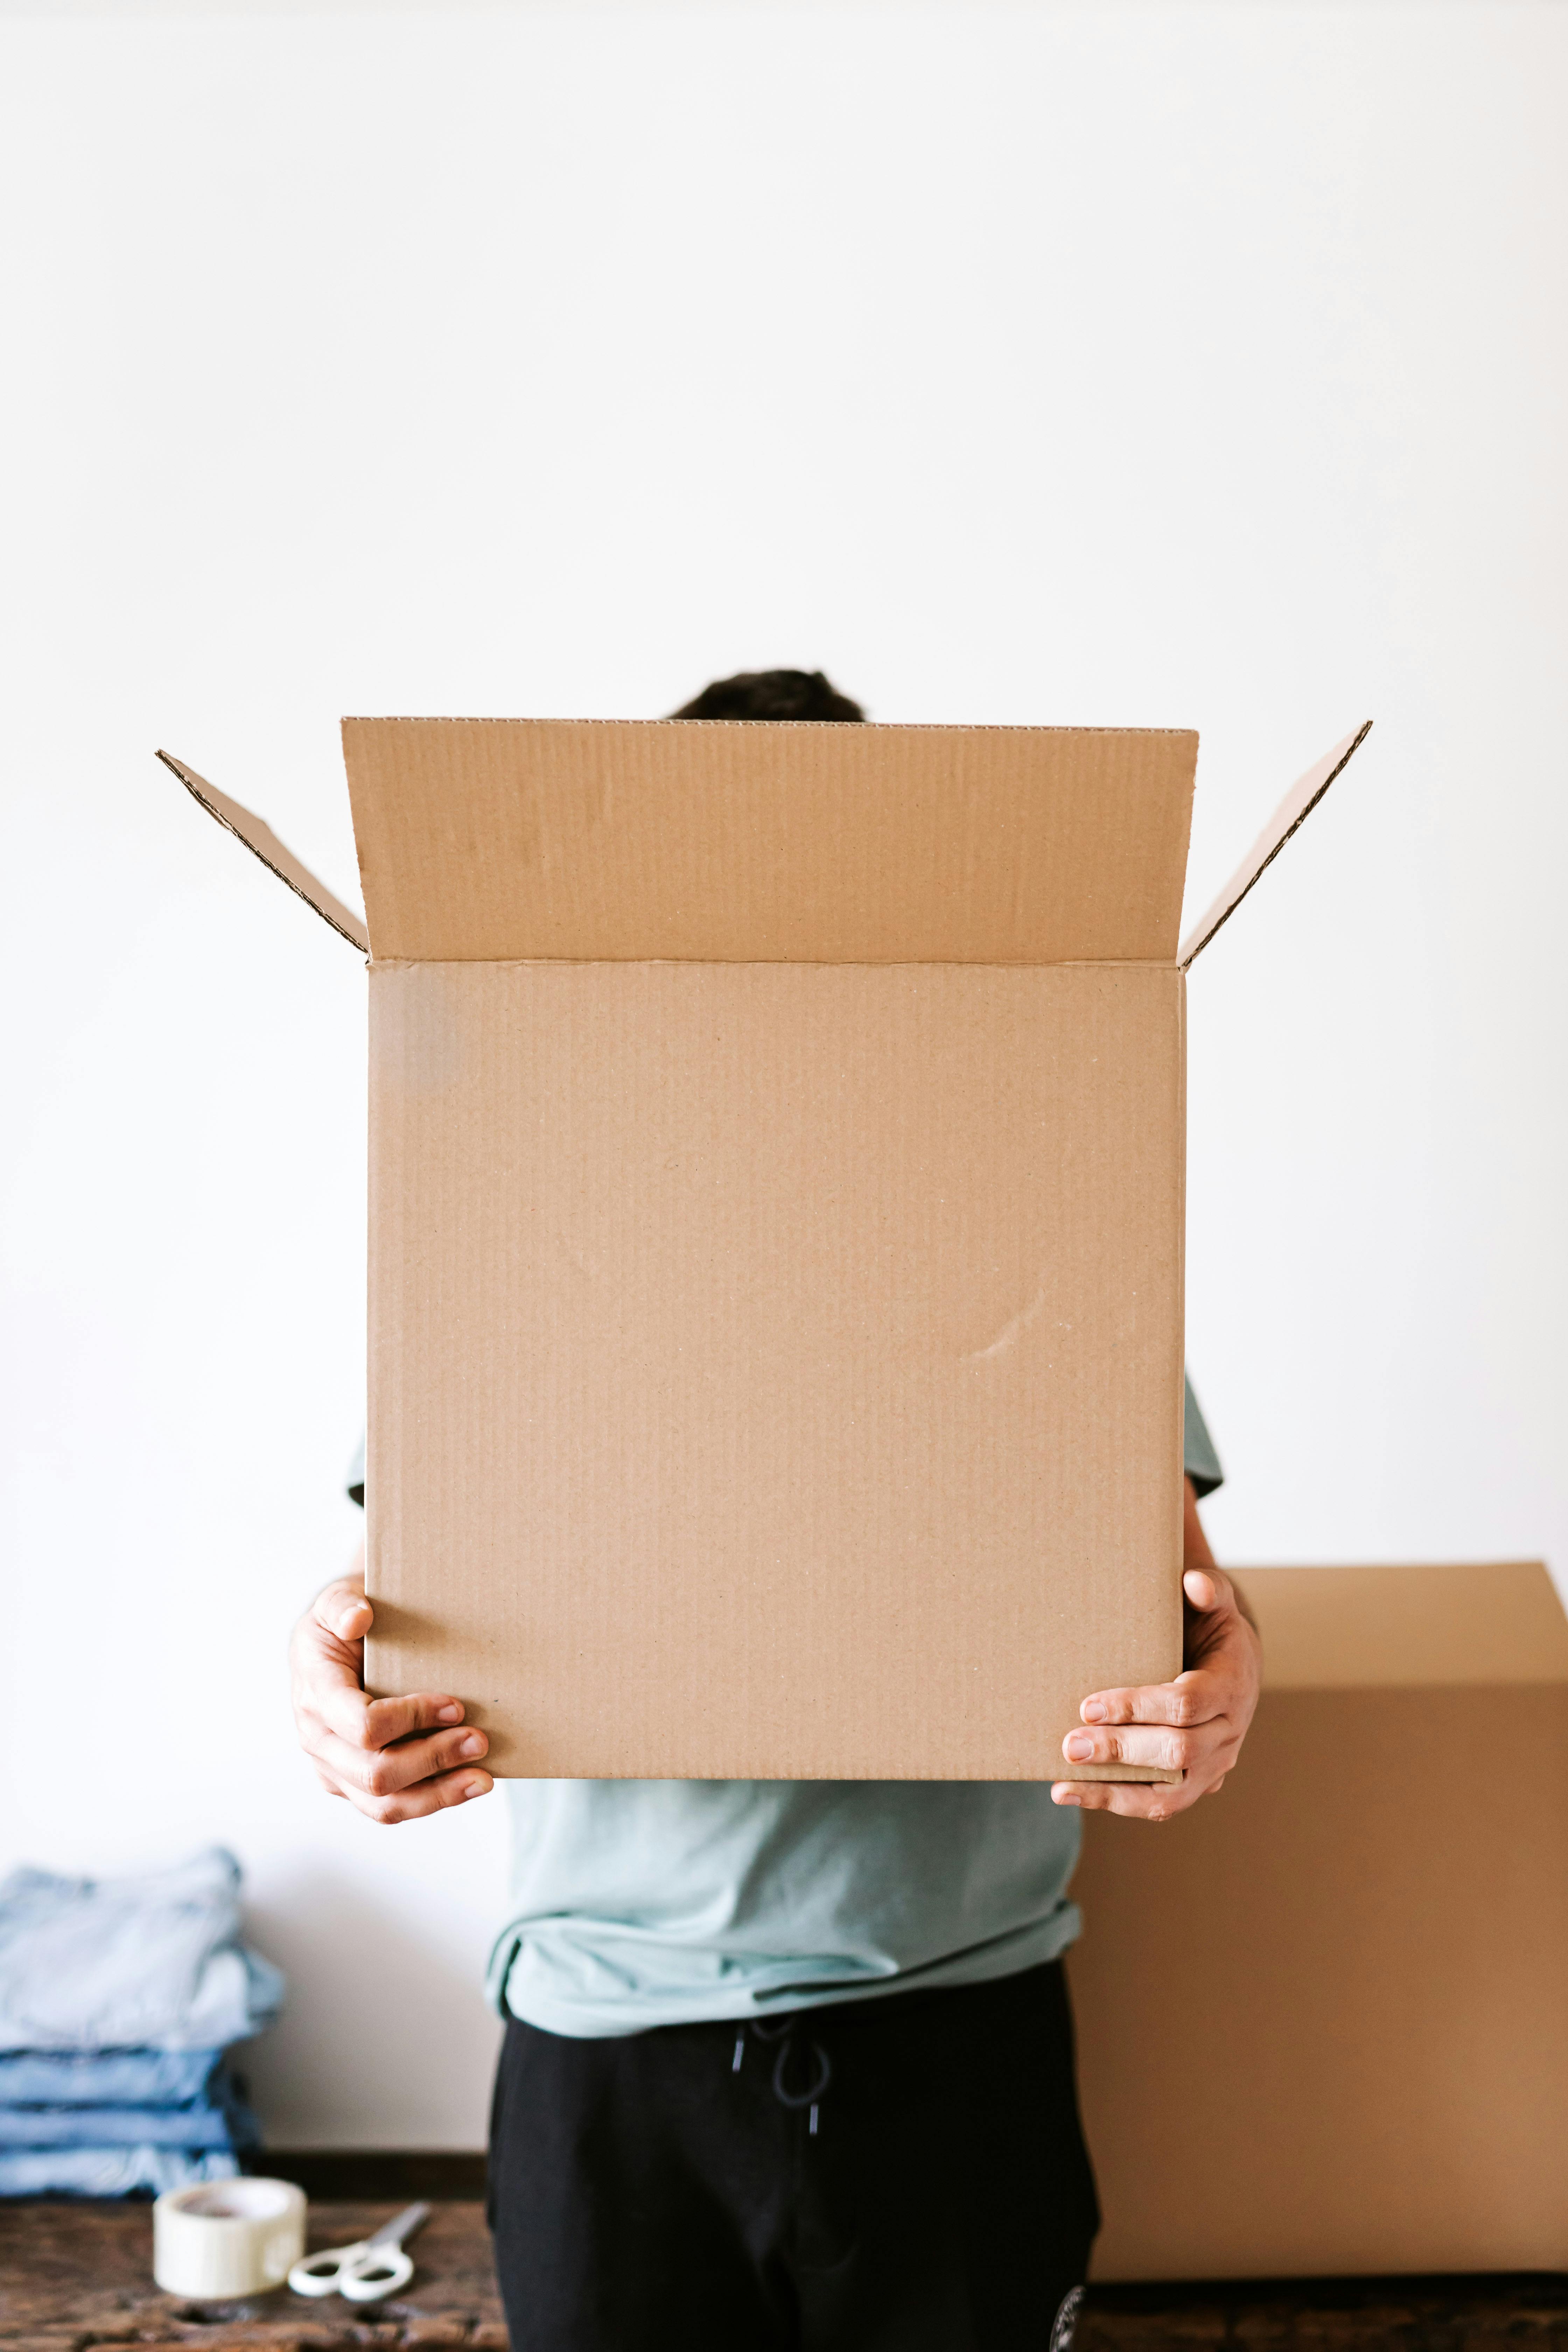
(789, 2064)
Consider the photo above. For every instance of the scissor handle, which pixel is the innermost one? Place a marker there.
(374, 2271)
(322, 2274)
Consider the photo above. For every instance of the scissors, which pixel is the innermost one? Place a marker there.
(367, 2270)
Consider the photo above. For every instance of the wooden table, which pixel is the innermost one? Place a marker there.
(76, 2276)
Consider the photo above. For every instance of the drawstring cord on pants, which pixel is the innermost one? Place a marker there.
(782, 2030)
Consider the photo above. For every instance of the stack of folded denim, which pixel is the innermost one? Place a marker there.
(118, 1998)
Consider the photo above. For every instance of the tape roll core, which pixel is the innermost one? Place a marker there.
(227, 2237)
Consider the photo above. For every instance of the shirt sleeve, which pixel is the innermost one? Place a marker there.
(1199, 1457)
(356, 1467)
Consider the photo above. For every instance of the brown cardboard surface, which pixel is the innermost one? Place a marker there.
(1368, 1628)
(778, 1366)
(777, 1166)
(263, 843)
(1292, 813)
(496, 839)
(1323, 2018)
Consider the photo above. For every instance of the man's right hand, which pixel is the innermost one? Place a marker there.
(394, 1758)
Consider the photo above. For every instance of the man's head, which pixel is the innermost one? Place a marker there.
(771, 694)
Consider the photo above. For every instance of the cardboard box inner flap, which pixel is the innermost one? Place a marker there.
(488, 840)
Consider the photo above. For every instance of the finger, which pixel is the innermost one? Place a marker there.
(1131, 1799)
(1211, 1593)
(388, 1771)
(1197, 1697)
(1149, 1746)
(374, 1723)
(430, 1796)
(328, 1673)
(341, 1610)
(317, 1653)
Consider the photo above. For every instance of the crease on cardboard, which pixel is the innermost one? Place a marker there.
(264, 844)
(1012, 1331)
(1289, 816)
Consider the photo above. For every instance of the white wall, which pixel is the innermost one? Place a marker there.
(1179, 366)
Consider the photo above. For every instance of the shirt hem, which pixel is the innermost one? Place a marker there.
(591, 2021)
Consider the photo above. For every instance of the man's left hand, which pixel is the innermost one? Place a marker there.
(1194, 1725)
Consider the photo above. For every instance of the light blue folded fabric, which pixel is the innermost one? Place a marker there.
(90, 1963)
(108, 2078)
(212, 2124)
(109, 2171)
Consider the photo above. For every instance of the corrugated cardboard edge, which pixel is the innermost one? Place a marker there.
(264, 844)
(1289, 816)
(859, 727)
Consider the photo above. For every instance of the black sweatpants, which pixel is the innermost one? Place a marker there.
(905, 2174)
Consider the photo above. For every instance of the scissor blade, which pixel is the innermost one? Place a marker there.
(402, 2225)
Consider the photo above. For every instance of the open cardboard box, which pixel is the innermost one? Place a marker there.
(1323, 2017)
(776, 1168)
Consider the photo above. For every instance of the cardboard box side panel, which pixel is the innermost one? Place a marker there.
(526, 838)
(1179, 1424)
(1323, 2018)
(776, 1369)
(1491, 1623)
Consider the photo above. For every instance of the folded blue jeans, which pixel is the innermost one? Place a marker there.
(110, 2171)
(201, 2122)
(152, 1960)
(108, 2078)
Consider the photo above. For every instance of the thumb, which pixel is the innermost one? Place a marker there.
(1210, 1591)
(343, 1611)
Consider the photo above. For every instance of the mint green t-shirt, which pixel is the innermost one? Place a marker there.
(639, 1903)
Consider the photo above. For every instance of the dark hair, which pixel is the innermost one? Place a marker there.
(771, 694)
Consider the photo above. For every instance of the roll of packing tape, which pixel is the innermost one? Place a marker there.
(228, 2237)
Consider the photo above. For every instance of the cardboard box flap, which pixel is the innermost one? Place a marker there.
(1496, 1623)
(263, 843)
(1292, 813)
(595, 841)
